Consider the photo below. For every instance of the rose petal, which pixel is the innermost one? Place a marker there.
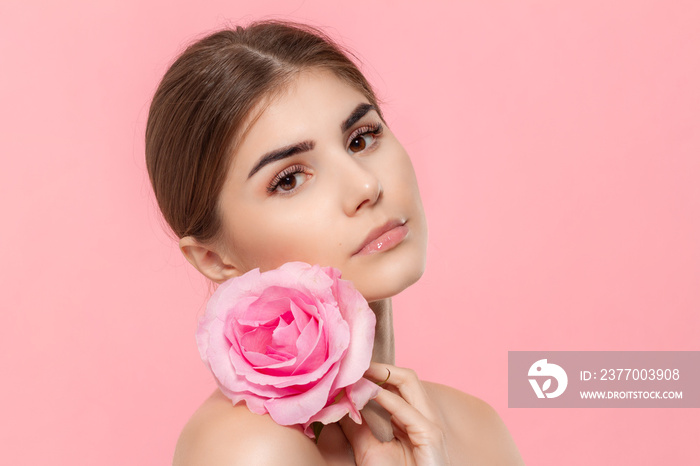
(271, 303)
(356, 397)
(256, 339)
(285, 335)
(312, 346)
(361, 322)
(255, 404)
(313, 277)
(271, 359)
(298, 408)
(359, 395)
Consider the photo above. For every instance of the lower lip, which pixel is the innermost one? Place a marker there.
(386, 241)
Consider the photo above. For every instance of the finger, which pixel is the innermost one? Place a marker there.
(411, 427)
(408, 385)
(420, 430)
(360, 436)
(399, 432)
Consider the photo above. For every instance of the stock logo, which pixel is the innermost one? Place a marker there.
(546, 372)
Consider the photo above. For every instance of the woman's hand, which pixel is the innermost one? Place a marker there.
(418, 430)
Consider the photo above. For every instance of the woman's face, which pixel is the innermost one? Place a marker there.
(319, 178)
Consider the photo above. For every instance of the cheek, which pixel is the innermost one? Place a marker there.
(269, 237)
(401, 180)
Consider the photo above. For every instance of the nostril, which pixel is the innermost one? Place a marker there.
(366, 201)
(374, 193)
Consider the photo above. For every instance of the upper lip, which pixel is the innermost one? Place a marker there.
(379, 231)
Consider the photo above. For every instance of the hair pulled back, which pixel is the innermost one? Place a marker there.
(203, 101)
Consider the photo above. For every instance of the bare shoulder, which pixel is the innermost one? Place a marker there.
(220, 434)
(475, 426)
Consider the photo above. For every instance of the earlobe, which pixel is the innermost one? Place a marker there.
(207, 260)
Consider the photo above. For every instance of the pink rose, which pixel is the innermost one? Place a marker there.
(292, 342)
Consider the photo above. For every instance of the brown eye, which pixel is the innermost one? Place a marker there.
(358, 144)
(288, 183)
(289, 180)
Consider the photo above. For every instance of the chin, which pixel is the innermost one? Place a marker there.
(390, 280)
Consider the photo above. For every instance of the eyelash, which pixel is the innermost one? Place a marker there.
(289, 171)
(375, 129)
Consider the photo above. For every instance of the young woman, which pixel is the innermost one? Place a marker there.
(266, 145)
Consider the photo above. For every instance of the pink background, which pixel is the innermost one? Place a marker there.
(557, 147)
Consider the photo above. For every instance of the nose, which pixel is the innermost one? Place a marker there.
(361, 187)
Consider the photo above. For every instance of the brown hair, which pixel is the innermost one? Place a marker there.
(199, 109)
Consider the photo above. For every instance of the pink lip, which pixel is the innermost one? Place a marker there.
(384, 237)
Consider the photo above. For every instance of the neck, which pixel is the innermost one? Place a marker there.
(384, 332)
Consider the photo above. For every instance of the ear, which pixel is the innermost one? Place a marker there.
(207, 260)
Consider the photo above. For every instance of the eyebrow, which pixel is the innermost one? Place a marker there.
(306, 146)
(360, 111)
(283, 153)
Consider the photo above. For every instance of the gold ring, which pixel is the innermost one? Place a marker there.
(387, 377)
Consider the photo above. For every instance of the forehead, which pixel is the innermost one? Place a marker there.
(313, 102)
